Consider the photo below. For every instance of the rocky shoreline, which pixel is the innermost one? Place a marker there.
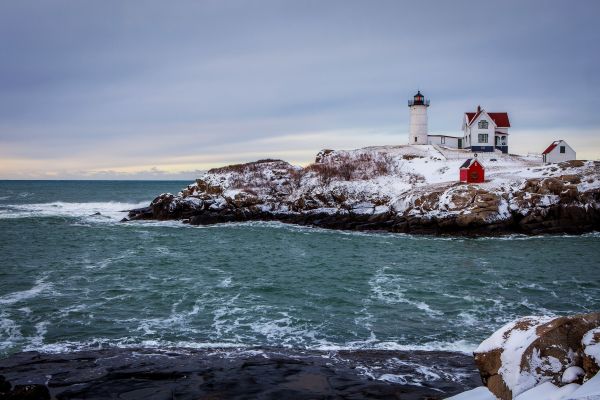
(381, 190)
(236, 374)
(555, 220)
(530, 358)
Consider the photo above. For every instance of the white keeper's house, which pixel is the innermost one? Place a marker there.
(482, 131)
(485, 131)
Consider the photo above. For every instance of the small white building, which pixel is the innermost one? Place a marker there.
(445, 140)
(558, 151)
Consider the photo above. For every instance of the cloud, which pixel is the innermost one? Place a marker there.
(89, 86)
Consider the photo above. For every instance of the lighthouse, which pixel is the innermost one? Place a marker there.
(418, 119)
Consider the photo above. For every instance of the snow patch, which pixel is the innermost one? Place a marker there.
(591, 344)
(514, 339)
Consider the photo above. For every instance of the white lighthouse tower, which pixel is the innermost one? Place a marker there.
(418, 119)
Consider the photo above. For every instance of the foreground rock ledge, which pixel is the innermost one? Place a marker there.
(535, 351)
(396, 189)
(240, 374)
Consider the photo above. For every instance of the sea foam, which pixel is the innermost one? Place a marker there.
(108, 210)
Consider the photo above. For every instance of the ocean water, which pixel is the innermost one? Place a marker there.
(70, 279)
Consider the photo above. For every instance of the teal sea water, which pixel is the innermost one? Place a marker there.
(70, 279)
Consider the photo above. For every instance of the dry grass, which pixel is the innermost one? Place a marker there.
(241, 168)
(344, 167)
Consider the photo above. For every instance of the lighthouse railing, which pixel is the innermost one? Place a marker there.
(418, 102)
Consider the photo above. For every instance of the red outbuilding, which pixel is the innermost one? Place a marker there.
(472, 171)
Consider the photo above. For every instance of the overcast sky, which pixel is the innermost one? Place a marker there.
(156, 89)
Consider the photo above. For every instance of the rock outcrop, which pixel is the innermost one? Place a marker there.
(391, 189)
(591, 353)
(534, 350)
(22, 392)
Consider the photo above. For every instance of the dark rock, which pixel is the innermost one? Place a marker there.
(28, 392)
(323, 155)
(124, 220)
(141, 213)
(4, 386)
(240, 374)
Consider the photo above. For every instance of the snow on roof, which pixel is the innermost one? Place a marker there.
(500, 118)
(469, 162)
(552, 146)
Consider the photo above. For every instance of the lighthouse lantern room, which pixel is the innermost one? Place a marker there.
(418, 119)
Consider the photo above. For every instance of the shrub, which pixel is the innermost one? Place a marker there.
(343, 166)
(247, 167)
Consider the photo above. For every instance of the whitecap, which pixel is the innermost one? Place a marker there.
(391, 290)
(394, 378)
(37, 340)
(225, 283)
(459, 346)
(10, 332)
(129, 343)
(109, 211)
(15, 297)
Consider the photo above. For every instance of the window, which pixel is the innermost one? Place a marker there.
(443, 140)
(415, 139)
(483, 124)
(562, 149)
(482, 138)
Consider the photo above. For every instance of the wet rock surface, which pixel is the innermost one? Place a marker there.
(238, 374)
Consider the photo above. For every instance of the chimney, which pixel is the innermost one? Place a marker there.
(478, 109)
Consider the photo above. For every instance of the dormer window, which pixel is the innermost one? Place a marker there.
(483, 124)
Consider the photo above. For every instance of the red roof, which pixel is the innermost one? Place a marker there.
(470, 162)
(500, 118)
(551, 147)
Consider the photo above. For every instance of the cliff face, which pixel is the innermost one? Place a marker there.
(400, 189)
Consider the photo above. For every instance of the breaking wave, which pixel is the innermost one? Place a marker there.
(15, 297)
(98, 211)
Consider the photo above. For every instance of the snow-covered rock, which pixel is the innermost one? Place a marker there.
(394, 188)
(591, 350)
(480, 393)
(572, 374)
(534, 350)
(590, 390)
(548, 391)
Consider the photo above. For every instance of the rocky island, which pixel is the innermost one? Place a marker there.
(405, 189)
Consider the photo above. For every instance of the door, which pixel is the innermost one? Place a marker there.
(460, 143)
